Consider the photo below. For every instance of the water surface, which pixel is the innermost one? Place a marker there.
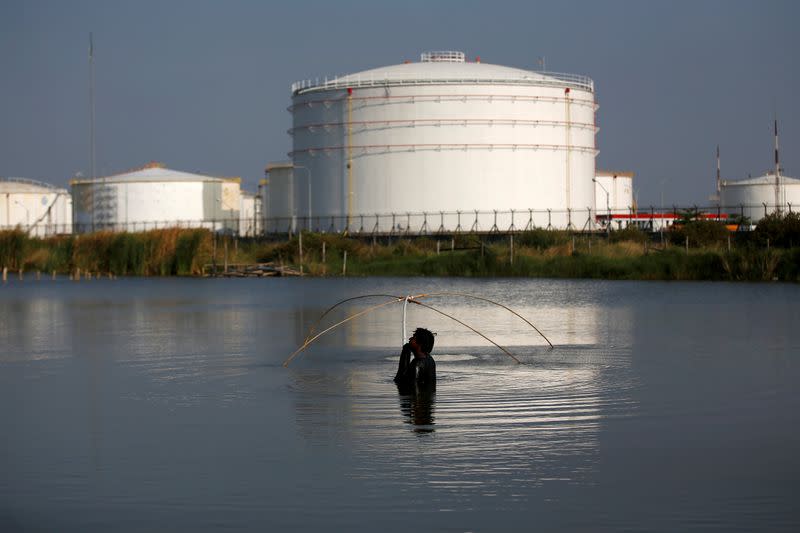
(149, 404)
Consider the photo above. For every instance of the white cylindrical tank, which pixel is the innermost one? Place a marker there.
(247, 215)
(614, 195)
(446, 136)
(755, 197)
(37, 208)
(277, 189)
(154, 197)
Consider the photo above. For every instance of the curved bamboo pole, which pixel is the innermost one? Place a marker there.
(310, 337)
(334, 306)
(467, 326)
(323, 332)
(491, 302)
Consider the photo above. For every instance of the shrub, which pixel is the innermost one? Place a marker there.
(781, 229)
(701, 233)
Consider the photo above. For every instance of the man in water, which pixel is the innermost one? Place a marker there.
(421, 371)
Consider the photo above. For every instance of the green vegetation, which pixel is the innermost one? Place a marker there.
(697, 250)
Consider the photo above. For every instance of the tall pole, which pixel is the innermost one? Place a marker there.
(91, 104)
(608, 205)
(777, 172)
(91, 123)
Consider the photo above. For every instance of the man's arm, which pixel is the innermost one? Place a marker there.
(402, 367)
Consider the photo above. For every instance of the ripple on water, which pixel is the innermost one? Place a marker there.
(491, 426)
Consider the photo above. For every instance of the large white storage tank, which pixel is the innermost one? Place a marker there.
(277, 200)
(445, 136)
(755, 197)
(154, 197)
(37, 208)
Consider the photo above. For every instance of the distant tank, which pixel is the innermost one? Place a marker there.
(614, 192)
(755, 197)
(277, 198)
(445, 135)
(153, 197)
(37, 208)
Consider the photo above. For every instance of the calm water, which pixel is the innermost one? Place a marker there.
(146, 405)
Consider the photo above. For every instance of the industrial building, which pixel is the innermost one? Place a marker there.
(463, 143)
(754, 198)
(39, 209)
(153, 197)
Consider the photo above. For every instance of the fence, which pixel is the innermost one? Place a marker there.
(439, 222)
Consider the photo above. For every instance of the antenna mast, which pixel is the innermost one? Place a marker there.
(91, 104)
(719, 180)
(777, 172)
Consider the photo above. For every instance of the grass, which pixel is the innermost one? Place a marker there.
(551, 254)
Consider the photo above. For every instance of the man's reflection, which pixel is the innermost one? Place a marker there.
(416, 405)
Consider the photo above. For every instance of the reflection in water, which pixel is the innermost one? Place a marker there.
(497, 427)
(416, 405)
(161, 404)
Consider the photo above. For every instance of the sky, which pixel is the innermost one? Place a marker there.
(204, 85)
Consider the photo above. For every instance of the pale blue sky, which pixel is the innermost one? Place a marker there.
(204, 85)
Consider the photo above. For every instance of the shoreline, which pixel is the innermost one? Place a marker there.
(621, 255)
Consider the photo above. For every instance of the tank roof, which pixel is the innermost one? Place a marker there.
(278, 164)
(614, 173)
(25, 185)
(444, 67)
(153, 172)
(766, 179)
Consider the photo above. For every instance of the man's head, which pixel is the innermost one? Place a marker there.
(424, 339)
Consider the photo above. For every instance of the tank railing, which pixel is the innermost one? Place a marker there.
(538, 79)
(435, 222)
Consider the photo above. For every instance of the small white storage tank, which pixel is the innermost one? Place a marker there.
(154, 197)
(277, 202)
(247, 215)
(37, 208)
(445, 136)
(614, 192)
(755, 197)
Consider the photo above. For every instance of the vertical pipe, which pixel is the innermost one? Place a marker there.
(349, 156)
(568, 141)
(344, 264)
